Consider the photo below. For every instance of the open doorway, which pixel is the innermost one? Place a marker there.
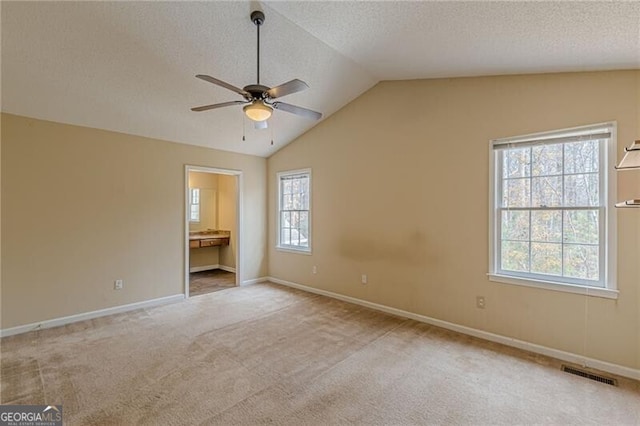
(212, 229)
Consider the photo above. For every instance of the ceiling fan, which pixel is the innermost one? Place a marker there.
(259, 99)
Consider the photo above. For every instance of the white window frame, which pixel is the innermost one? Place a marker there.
(287, 247)
(607, 193)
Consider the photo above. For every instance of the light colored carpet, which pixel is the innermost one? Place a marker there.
(266, 354)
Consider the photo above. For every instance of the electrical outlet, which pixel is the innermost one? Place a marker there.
(314, 270)
(118, 284)
(364, 278)
(480, 302)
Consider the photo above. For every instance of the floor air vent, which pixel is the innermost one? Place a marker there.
(596, 377)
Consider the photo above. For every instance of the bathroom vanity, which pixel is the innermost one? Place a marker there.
(208, 238)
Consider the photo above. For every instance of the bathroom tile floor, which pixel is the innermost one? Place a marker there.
(209, 281)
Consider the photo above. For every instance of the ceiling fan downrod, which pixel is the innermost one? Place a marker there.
(257, 17)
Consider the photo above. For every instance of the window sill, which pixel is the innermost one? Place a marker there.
(550, 285)
(306, 251)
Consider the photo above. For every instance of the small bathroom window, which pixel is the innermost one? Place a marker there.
(194, 205)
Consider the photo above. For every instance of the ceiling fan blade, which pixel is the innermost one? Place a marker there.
(287, 88)
(258, 125)
(297, 110)
(224, 84)
(214, 106)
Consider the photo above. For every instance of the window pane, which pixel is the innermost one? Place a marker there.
(295, 219)
(581, 226)
(194, 213)
(287, 202)
(295, 237)
(304, 229)
(286, 220)
(546, 191)
(286, 186)
(546, 160)
(285, 236)
(302, 199)
(581, 157)
(581, 190)
(516, 162)
(546, 258)
(546, 226)
(581, 261)
(516, 193)
(515, 225)
(515, 256)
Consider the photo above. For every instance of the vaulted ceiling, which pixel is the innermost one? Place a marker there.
(130, 66)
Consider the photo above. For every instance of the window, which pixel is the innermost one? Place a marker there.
(550, 197)
(293, 215)
(194, 205)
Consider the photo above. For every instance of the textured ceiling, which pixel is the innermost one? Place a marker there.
(130, 66)
(411, 40)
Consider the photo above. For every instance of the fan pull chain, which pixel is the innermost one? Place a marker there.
(271, 128)
(244, 124)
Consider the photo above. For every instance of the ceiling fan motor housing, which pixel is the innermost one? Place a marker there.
(257, 91)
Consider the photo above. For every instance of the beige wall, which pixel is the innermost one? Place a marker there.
(203, 180)
(82, 207)
(227, 212)
(400, 192)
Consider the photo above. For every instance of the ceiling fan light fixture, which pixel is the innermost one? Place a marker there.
(258, 111)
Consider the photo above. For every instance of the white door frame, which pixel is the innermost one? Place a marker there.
(239, 221)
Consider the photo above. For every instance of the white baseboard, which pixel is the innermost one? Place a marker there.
(255, 281)
(211, 267)
(520, 344)
(203, 268)
(56, 322)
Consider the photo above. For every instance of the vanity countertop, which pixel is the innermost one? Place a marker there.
(209, 234)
